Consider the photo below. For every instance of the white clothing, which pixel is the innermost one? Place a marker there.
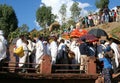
(39, 52)
(61, 47)
(31, 46)
(2, 48)
(1, 32)
(74, 48)
(73, 45)
(116, 50)
(54, 51)
(100, 50)
(67, 42)
(24, 58)
(2, 39)
(19, 42)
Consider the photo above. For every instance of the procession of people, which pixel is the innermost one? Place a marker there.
(74, 50)
(70, 47)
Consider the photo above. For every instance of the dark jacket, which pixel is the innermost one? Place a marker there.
(84, 49)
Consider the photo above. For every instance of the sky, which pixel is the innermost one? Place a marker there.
(26, 9)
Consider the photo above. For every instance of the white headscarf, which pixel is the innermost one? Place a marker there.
(1, 32)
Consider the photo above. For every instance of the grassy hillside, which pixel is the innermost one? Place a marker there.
(112, 28)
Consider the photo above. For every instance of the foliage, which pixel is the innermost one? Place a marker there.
(65, 27)
(62, 11)
(44, 16)
(115, 33)
(102, 3)
(33, 32)
(21, 30)
(115, 30)
(24, 28)
(71, 22)
(75, 11)
(8, 19)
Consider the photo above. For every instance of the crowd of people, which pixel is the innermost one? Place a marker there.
(67, 51)
(105, 16)
(64, 51)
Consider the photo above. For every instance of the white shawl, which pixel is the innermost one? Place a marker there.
(115, 47)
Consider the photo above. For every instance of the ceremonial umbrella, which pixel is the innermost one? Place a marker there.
(88, 37)
(78, 33)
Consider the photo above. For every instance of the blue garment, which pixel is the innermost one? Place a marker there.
(107, 74)
(108, 48)
(107, 70)
(107, 62)
(84, 49)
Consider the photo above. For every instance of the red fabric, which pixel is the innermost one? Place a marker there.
(89, 38)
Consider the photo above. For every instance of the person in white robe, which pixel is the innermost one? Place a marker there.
(74, 48)
(3, 52)
(19, 43)
(3, 48)
(46, 48)
(31, 54)
(116, 50)
(61, 52)
(53, 49)
(24, 58)
(31, 46)
(39, 51)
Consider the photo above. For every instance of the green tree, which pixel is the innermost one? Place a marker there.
(24, 28)
(62, 12)
(44, 16)
(8, 19)
(13, 35)
(21, 30)
(75, 11)
(102, 4)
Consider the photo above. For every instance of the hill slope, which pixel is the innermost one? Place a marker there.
(112, 28)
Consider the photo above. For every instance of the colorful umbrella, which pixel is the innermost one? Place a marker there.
(66, 35)
(78, 33)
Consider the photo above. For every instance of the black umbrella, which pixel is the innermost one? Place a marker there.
(98, 32)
